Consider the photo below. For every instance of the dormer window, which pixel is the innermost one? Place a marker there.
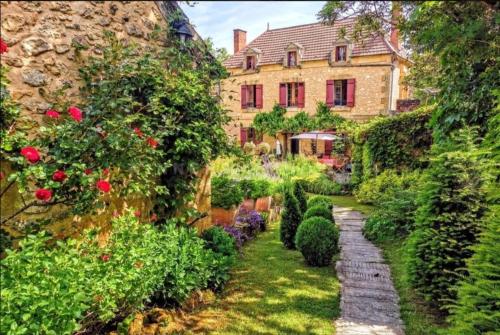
(292, 58)
(341, 53)
(250, 63)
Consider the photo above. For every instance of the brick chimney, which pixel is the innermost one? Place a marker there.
(240, 39)
(396, 12)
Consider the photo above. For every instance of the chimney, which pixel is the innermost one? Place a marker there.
(240, 39)
(396, 12)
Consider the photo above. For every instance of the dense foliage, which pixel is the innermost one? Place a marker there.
(400, 142)
(255, 188)
(226, 192)
(451, 205)
(300, 195)
(290, 219)
(317, 240)
(223, 246)
(322, 185)
(320, 200)
(320, 211)
(81, 284)
(145, 123)
(273, 122)
(385, 185)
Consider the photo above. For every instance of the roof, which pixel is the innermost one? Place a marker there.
(317, 40)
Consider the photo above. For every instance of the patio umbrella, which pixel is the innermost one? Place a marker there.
(316, 136)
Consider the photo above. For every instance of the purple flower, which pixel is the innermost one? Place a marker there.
(239, 236)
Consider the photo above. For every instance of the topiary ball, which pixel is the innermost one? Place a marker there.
(319, 210)
(320, 200)
(317, 240)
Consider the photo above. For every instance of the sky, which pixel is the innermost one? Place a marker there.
(217, 19)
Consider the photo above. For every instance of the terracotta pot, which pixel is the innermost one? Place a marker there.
(223, 217)
(248, 204)
(263, 204)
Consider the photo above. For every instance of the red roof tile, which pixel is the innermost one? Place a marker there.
(317, 40)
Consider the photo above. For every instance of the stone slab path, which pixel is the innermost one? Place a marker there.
(369, 303)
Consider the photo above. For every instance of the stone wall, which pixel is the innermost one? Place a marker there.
(406, 105)
(371, 95)
(47, 40)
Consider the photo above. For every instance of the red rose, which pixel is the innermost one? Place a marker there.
(152, 143)
(3, 46)
(138, 132)
(105, 172)
(87, 171)
(75, 113)
(105, 258)
(137, 214)
(154, 217)
(31, 154)
(53, 114)
(59, 176)
(43, 194)
(103, 185)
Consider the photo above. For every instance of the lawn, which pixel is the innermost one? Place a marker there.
(273, 292)
(350, 201)
(419, 319)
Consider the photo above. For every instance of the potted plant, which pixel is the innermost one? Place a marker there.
(226, 196)
(248, 187)
(262, 194)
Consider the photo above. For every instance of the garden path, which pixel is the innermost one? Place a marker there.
(369, 302)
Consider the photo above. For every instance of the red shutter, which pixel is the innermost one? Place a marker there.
(351, 88)
(329, 93)
(243, 96)
(301, 97)
(258, 96)
(243, 136)
(283, 95)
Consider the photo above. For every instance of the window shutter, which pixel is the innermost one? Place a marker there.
(351, 88)
(258, 96)
(243, 136)
(243, 96)
(283, 95)
(329, 93)
(301, 95)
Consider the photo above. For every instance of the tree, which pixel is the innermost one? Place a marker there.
(290, 219)
(299, 193)
(460, 38)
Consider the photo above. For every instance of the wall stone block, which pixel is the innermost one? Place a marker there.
(36, 46)
(34, 77)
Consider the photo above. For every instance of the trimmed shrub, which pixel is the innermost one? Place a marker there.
(319, 200)
(317, 240)
(264, 148)
(299, 193)
(249, 148)
(226, 193)
(451, 206)
(290, 219)
(223, 246)
(262, 189)
(476, 310)
(319, 210)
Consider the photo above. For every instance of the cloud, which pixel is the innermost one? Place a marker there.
(218, 19)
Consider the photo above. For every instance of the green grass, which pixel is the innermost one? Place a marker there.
(418, 317)
(350, 201)
(273, 292)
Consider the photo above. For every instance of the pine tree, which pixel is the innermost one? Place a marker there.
(299, 193)
(290, 219)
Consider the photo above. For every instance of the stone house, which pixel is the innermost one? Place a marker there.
(45, 40)
(299, 66)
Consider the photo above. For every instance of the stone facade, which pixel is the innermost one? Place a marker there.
(47, 40)
(372, 93)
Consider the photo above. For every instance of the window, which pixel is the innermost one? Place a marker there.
(292, 58)
(249, 135)
(340, 92)
(292, 94)
(251, 96)
(341, 53)
(250, 63)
